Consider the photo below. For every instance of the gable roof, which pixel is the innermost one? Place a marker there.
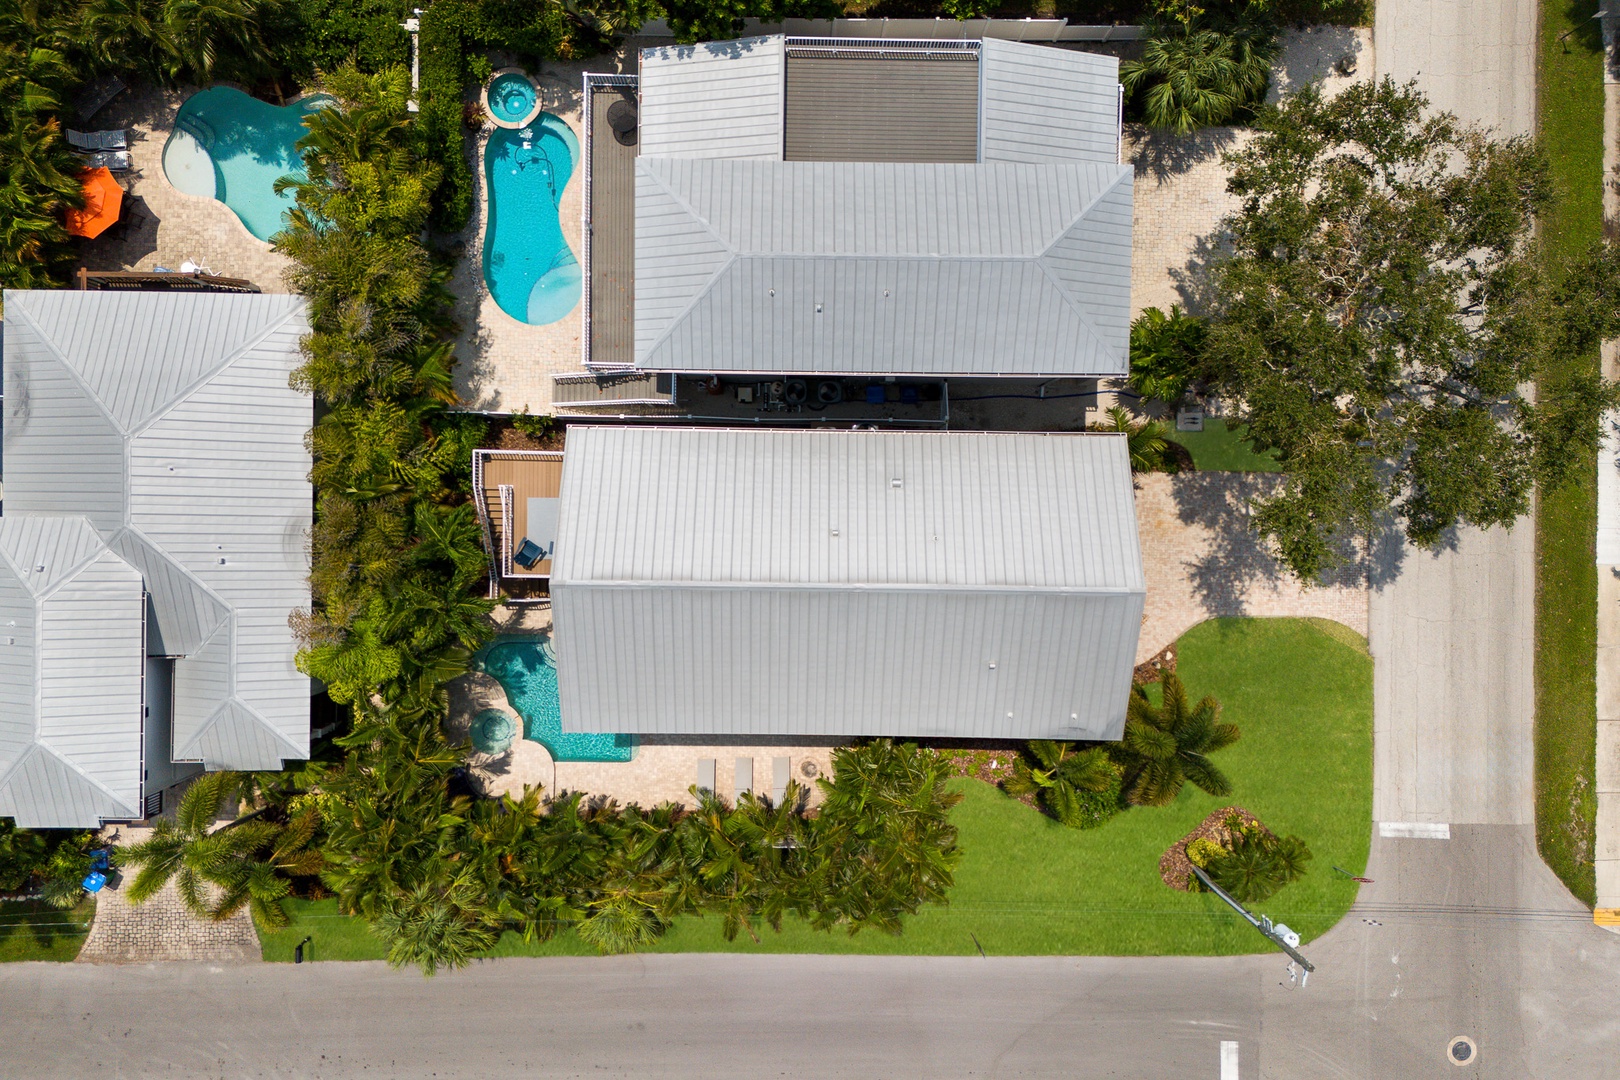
(71, 665)
(777, 582)
(883, 268)
(167, 420)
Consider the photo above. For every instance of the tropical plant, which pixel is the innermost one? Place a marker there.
(882, 844)
(1253, 863)
(1198, 69)
(436, 925)
(218, 869)
(1078, 787)
(1381, 307)
(1164, 353)
(1146, 441)
(53, 862)
(1168, 744)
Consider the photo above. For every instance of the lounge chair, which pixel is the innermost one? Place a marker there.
(112, 139)
(113, 160)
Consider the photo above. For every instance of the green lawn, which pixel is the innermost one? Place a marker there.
(30, 930)
(1221, 449)
(1571, 108)
(1302, 696)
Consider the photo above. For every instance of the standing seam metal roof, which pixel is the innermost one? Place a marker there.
(882, 267)
(783, 582)
(71, 666)
(168, 420)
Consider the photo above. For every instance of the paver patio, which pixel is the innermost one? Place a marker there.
(176, 227)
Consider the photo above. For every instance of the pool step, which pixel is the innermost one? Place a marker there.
(586, 392)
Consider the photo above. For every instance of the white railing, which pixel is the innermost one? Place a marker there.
(1031, 30)
(506, 529)
(483, 520)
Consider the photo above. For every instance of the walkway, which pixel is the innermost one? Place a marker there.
(1203, 562)
(162, 929)
(1608, 557)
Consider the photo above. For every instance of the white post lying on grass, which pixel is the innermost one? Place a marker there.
(1261, 923)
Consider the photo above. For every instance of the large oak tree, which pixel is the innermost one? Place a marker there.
(1381, 314)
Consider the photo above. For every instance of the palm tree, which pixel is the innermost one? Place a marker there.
(210, 36)
(219, 871)
(1145, 440)
(1064, 774)
(1167, 745)
(1194, 74)
(437, 925)
(1164, 353)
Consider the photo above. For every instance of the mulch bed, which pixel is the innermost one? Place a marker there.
(1149, 670)
(504, 436)
(1174, 866)
(990, 765)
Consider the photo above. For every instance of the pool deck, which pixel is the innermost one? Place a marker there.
(173, 226)
(665, 767)
(507, 365)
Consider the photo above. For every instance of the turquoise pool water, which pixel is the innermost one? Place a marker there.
(529, 267)
(525, 670)
(232, 147)
(512, 97)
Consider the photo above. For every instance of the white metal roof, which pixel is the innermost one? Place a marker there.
(167, 419)
(720, 99)
(71, 664)
(1042, 104)
(976, 585)
(883, 268)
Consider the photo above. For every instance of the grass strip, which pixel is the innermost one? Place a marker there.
(1029, 886)
(1570, 96)
(31, 930)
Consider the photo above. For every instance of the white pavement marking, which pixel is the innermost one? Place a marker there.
(1414, 830)
(1229, 1061)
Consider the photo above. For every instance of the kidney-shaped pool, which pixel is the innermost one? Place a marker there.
(530, 269)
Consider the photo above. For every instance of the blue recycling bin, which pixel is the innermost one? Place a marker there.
(94, 881)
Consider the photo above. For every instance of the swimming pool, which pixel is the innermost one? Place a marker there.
(529, 267)
(527, 672)
(229, 146)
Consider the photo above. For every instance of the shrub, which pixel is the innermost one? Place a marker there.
(1164, 353)
(1254, 863)
(1199, 68)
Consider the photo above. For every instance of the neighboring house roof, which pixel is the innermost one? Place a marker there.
(168, 421)
(71, 664)
(973, 585)
(867, 268)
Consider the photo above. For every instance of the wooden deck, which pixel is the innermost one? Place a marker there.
(505, 481)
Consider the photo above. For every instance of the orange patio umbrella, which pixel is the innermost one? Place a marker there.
(103, 202)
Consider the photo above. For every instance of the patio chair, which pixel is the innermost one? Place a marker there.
(112, 160)
(528, 554)
(112, 139)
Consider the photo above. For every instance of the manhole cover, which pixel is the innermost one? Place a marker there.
(1461, 1050)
